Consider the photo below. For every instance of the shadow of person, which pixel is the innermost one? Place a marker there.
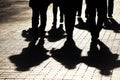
(68, 55)
(103, 59)
(112, 24)
(31, 56)
(56, 34)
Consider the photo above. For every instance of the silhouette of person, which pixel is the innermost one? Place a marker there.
(110, 8)
(56, 5)
(39, 9)
(98, 7)
(69, 9)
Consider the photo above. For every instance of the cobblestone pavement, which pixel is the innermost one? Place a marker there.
(55, 61)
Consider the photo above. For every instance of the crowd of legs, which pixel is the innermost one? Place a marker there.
(96, 13)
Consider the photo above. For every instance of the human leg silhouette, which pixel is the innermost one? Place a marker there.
(80, 8)
(43, 19)
(39, 9)
(55, 9)
(61, 15)
(96, 26)
(56, 5)
(35, 22)
(86, 10)
(110, 7)
(69, 24)
(79, 12)
(69, 9)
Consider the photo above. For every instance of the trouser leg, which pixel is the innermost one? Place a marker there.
(80, 8)
(110, 7)
(69, 23)
(35, 22)
(43, 13)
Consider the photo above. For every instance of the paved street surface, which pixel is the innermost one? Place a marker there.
(56, 60)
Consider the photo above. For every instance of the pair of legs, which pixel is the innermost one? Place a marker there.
(56, 4)
(39, 14)
(70, 17)
(99, 8)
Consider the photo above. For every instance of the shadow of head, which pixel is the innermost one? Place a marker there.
(103, 59)
(68, 55)
(29, 57)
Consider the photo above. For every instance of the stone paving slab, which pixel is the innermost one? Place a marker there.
(54, 61)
